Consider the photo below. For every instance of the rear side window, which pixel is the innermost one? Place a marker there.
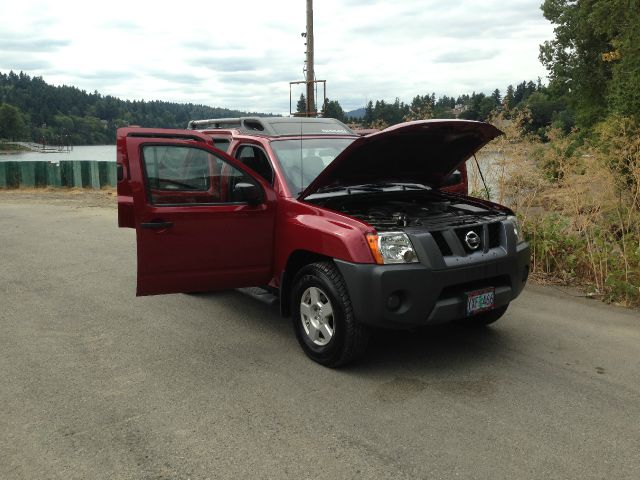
(188, 175)
(222, 144)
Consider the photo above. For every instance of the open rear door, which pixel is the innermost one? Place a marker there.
(202, 221)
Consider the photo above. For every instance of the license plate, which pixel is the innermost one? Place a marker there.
(480, 300)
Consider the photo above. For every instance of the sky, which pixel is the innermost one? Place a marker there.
(243, 54)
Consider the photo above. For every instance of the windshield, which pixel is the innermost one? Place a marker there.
(302, 160)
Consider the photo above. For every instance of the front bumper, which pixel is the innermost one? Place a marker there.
(429, 295)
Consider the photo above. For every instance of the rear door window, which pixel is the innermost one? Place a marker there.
(222, 144)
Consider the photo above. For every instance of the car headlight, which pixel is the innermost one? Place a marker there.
(516, 228)
(391, 247)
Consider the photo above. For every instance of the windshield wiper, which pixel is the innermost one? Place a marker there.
(350, 188)
(403, 186)
(372, 187)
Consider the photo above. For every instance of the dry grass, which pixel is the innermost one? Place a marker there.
(579, 203)
(61, 196)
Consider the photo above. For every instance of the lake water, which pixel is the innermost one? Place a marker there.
(489, 160)
(106, 153)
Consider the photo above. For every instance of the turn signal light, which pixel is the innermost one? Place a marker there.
(372, 239)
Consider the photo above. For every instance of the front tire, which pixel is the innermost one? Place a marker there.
(323, 318)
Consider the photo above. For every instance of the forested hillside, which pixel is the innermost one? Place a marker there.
(545, 108)
(31, 109)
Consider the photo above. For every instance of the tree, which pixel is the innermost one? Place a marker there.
(574, 58)
(301, 106)
(618, 21)
(368, 113)
(496, 97)
(443, 107)
(509, 101)
(332, 109)
(421, 108)
(12, 125)
(479, 108)
(520, 93)
(543, 111)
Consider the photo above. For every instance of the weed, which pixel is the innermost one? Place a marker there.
(578, 198)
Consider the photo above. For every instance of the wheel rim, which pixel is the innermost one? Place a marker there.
(316, 315)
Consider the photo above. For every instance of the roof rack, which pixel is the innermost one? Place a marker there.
(215, 123)
(276, 126)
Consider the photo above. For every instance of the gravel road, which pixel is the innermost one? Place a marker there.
(98, 384)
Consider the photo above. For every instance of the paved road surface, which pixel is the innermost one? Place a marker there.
(95, 383)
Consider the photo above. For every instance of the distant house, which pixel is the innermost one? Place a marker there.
(458, 109)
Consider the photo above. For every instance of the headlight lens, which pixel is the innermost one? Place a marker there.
(516, 228)
(392, 247)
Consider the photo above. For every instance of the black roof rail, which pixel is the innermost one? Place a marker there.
(276, 126)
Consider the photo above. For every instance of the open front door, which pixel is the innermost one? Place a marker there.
(202, 221)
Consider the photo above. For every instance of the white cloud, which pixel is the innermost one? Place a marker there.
(243, 55)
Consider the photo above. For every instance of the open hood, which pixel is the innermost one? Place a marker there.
(424, 152)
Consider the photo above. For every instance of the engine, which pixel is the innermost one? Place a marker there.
(432, 212)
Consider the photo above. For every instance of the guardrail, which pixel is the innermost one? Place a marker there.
(42, 148)
(66, 173)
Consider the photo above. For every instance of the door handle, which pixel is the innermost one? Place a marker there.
(156, 224)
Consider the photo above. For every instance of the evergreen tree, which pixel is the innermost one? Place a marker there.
(509, 101)
(421, 108)
(332, 109)
(497, 99)
(301, 106)
(368, 113)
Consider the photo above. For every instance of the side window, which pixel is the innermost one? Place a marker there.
(187, 175)
(222, 144)
(176, 168)
(254, 158)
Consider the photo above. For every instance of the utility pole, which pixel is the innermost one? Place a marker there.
(311, 103)
(309, 73)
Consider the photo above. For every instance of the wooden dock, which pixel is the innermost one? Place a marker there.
(43, 148)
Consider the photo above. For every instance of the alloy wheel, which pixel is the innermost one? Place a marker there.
(316, 315)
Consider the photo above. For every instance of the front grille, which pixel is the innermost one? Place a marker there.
(461, 233)
(442, 243)
(494, 235)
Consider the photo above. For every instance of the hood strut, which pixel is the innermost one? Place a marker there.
(486, 189)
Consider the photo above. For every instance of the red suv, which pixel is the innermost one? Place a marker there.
(348, 232)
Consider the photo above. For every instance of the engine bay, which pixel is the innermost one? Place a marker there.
(397, 211)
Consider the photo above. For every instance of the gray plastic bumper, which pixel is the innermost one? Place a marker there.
(429, 296)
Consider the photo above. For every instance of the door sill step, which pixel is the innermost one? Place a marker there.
(260, 294)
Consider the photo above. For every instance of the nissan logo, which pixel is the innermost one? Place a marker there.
(472, 239)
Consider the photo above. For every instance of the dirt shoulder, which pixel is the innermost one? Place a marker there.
(105, 198)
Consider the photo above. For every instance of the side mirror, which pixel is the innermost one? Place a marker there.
(454, 178)
(247, 192)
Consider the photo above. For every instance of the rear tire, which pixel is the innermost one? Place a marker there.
(323, 318)
(486, 318)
